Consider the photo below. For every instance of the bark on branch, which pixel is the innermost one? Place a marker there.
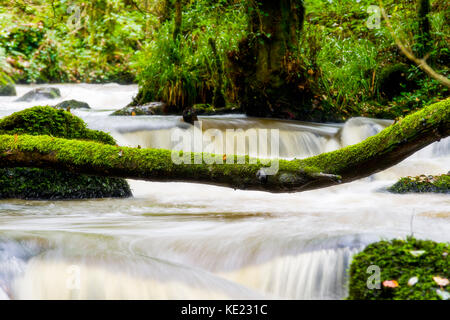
(374, 154)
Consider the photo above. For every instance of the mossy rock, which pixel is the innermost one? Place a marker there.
(161, 108)
(45, 120)
(401, 260)
(7, 90)
(40, 94)
(33, 183)
(207, 109)
(423, 183)
(72, 104)
(148, 109)
(393, 80)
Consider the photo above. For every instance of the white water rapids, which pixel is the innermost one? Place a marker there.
(192, 241)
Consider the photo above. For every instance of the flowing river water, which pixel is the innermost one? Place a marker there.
(193, 241)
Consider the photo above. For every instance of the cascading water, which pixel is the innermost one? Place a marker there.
(182, 240)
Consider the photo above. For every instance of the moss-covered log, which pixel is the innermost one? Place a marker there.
(374, 154)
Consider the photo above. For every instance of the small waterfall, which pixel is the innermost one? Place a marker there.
(296, 139)
(358, 129)
(59, 270)
(54, 276)
(14, 256)
(320, 274)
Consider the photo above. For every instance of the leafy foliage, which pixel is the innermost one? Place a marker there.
(126, 41)
(184, 71)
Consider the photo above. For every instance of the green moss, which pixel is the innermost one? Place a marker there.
(423, 183)
(33, 183)
(400, 260)
(72, 104)
(207, 109)
(45, 120)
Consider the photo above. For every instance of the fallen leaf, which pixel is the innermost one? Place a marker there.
(390, 284)
(442, 282)
(412, 281)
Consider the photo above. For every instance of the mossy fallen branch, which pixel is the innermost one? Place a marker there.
(374, 154)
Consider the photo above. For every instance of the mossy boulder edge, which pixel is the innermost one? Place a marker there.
(422, 183)
(34, 183)
(400, 262)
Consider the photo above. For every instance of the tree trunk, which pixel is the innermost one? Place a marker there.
(424, 36)
(269, 79)
(374, 154)
(178, 20)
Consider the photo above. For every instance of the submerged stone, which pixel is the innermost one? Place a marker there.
(190, 116)
(72, 104)
(40, 94)
(148, 109)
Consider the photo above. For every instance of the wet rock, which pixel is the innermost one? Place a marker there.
(7, 90)
(423, 183)
(148, 109)
(207, 109)
(72, 104)
(190, 116)
(40, 94)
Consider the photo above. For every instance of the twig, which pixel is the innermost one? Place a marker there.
(421, 63)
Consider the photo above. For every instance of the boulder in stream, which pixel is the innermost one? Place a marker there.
(40, 94)
(34, 183)
(72, 104)
(148, 109)
(422, 183)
